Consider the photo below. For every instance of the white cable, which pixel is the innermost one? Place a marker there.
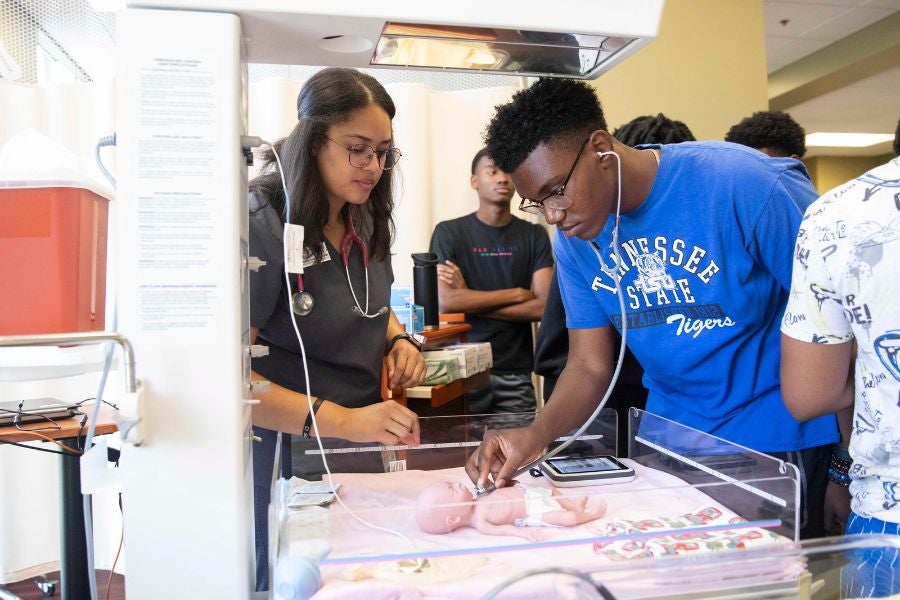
(287, 280)
(92, 421)
(613, 273)
(585, 577)
(109, 140)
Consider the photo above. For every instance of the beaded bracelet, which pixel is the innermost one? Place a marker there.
(841, 453)
(841, 479)
(840, 464)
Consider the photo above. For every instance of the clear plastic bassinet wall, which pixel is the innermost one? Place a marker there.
(693, 498)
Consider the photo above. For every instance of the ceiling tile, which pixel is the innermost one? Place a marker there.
(801, 18)
(846, 24)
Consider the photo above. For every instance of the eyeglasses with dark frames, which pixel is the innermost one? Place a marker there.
(556, 199)
(360, 155)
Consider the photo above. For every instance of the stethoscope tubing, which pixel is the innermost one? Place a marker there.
(302, 301)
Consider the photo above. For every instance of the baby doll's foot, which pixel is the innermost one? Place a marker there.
(580, 502)
(532, 534)
(595, 509)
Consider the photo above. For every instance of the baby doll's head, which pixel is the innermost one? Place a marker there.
(444, 507)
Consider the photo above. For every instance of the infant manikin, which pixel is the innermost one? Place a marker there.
(446, 506)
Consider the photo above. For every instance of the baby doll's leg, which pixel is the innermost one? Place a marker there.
(576, 510)
(576, 503)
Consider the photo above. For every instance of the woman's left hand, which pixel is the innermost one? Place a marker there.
(405, 366)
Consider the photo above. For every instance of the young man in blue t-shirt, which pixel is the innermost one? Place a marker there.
(703, 257)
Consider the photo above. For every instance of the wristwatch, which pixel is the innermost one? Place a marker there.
(413, 338)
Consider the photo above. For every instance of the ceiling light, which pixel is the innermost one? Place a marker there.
(847, 140)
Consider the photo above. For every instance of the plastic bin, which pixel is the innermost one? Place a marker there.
(52, 259)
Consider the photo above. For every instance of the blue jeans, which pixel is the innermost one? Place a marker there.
(871, 573)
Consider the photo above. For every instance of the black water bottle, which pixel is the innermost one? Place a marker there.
(425, 291)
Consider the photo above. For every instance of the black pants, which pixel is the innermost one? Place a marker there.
(813, 465)
(263, 463)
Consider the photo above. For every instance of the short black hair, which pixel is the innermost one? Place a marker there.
(653, 130)
(478, 156)
(770, 129)
(550, 109)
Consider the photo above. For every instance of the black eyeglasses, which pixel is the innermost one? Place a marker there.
(360, 155)
(556, 199)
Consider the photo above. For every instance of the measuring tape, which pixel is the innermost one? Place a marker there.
(426, 446)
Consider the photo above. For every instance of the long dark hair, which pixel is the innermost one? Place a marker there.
(329, 97)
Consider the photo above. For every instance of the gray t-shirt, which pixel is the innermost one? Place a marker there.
(344, 351)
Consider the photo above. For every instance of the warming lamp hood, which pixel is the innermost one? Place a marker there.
(565, 38)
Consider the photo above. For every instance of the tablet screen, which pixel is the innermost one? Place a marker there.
(584, 465)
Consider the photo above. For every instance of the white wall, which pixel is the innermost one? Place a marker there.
(438, 133)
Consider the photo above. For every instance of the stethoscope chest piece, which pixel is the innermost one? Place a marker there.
(302, 303)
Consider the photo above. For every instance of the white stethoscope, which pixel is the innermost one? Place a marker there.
(302, 301)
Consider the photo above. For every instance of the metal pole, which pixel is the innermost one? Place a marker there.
(95, 337)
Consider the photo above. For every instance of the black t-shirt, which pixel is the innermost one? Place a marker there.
(496, 258)
(344, 351)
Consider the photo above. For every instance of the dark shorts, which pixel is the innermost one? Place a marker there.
(505, 394)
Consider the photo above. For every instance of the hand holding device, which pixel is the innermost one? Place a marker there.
(501, 452)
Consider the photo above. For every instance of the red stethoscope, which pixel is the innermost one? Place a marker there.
(302, 301)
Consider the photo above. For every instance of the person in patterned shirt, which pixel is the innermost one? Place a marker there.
(845, 298)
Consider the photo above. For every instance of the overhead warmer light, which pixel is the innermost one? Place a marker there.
(509, 51)
(570, 38)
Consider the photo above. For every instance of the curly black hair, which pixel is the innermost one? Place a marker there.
(775, 130)
(549, 110)
(653, 130)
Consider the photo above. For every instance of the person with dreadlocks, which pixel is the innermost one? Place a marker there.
(653, 130)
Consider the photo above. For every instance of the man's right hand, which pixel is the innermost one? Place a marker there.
(451, 274)
(502, 452)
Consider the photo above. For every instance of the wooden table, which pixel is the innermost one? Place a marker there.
(74, 584)
(451, 329)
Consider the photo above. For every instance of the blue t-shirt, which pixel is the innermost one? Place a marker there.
(706, 274)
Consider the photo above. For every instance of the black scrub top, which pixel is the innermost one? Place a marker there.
(344, 351)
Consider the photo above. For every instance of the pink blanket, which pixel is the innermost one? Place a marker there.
(656, 515)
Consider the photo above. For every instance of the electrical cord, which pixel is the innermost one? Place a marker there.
(600, 588)
(18, 414)
(106, 402)
(112, 569)
(613, 274)
(26, 446)
(47, 438)
(84, 418)
(107, 365)
(109, 140)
